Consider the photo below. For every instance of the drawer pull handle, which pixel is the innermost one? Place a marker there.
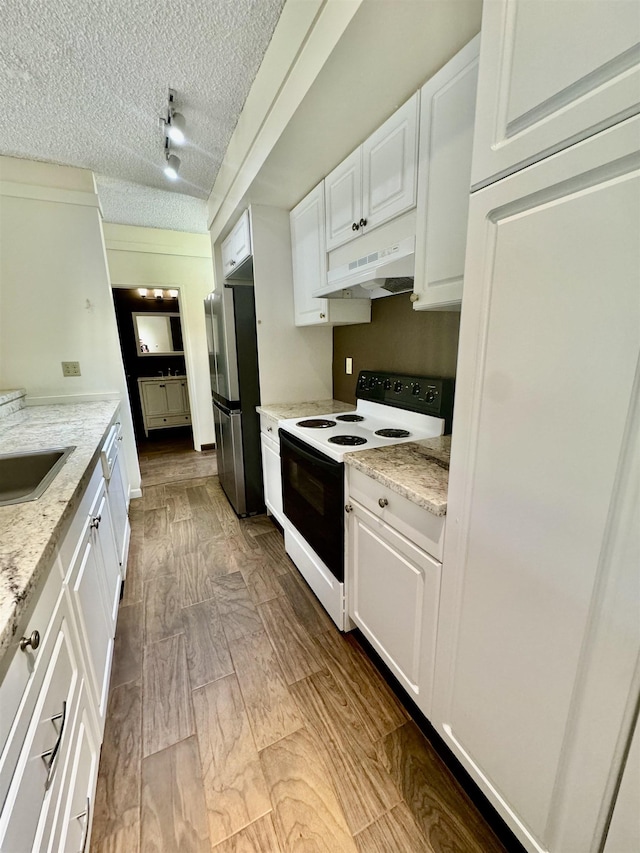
(269, 429)
(86, 815)
(49, 757)
(120, 437)
(33, 641)
(348, 508)
(95, 522)
(383, 502)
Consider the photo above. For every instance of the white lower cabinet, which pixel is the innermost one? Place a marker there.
(28, 807)
(393, 588)
(75, 808)
(54, 698)
(93, 581)
(272, 477)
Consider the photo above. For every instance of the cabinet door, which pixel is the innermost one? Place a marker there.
(154, 398)
(309, 256)
(393, 592)
(237, 247)
(550, 75)
(538, 635)
(446, 137)
(343, 200)
(74, 825)
(176, 397)
(105, 539)
(94, 626)
(272, 477)
(119, 513)
(390, 166)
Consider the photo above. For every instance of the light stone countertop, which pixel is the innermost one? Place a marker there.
(417, 470)
(31, 531)
(282, 411)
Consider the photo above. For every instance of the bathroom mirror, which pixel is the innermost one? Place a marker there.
(158, 333)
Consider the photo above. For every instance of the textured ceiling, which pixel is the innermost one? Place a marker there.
(84, 84)
(133, 204)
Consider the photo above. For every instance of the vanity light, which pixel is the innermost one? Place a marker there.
(142, 291)
(173, 294)
(159, 294)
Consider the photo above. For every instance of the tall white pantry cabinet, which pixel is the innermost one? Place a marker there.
(538, 659)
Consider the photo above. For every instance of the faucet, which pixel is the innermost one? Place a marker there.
(169, 372)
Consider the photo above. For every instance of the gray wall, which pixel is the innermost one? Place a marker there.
(397, 339)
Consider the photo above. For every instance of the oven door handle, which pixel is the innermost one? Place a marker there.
(314, 456)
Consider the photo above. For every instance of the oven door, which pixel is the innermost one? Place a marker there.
(313, 498)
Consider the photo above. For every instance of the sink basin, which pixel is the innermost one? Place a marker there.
(25, 476)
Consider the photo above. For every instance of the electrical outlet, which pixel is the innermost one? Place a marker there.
(348, 366)
(71, 368)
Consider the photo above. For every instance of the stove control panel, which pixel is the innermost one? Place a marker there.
(414, 393)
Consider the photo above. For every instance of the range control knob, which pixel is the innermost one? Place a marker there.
(387, 385)
(397, 387)
(416, 389)
(430, 396)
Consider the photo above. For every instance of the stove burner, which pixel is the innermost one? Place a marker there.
(393, 433)
(347, 439)
(316, 423)
(353, 419)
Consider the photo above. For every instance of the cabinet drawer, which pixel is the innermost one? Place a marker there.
(413, 521)
(110, 448)
(168, 420)
(20, 686)
(31, 793)
(269, 426)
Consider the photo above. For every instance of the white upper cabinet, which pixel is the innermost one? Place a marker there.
(543, 87)
(377, 181)
(237, 247)
(447, 112)
(343, 195)
(309, 257)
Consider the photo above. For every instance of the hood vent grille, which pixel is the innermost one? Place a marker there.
(398, 285)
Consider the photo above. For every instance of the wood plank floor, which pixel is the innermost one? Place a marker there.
(239, 718)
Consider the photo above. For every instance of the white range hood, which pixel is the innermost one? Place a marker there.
(380, 273)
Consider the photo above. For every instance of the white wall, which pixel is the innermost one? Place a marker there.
(294, 362)
(55, 299)
(147, 257)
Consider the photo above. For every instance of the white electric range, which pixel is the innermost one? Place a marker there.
(391, 409)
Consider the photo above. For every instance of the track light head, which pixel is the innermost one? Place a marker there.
(172, 167)
(175, 128)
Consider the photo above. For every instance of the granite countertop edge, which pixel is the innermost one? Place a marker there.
(308, 408)
(418, 471)
(23, 571)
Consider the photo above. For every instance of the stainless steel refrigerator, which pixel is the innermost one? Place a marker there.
(235, 392)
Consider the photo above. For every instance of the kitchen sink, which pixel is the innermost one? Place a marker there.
(25, 476)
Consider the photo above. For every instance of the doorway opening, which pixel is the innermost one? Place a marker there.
(151, 341)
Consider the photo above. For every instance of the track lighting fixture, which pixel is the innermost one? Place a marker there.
(173, 125)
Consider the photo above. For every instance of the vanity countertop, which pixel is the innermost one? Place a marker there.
(417, 470)
(161, 378)
(282, 411)
(31, 531)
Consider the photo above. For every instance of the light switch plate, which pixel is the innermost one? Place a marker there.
(348, 365)
(71, 368)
